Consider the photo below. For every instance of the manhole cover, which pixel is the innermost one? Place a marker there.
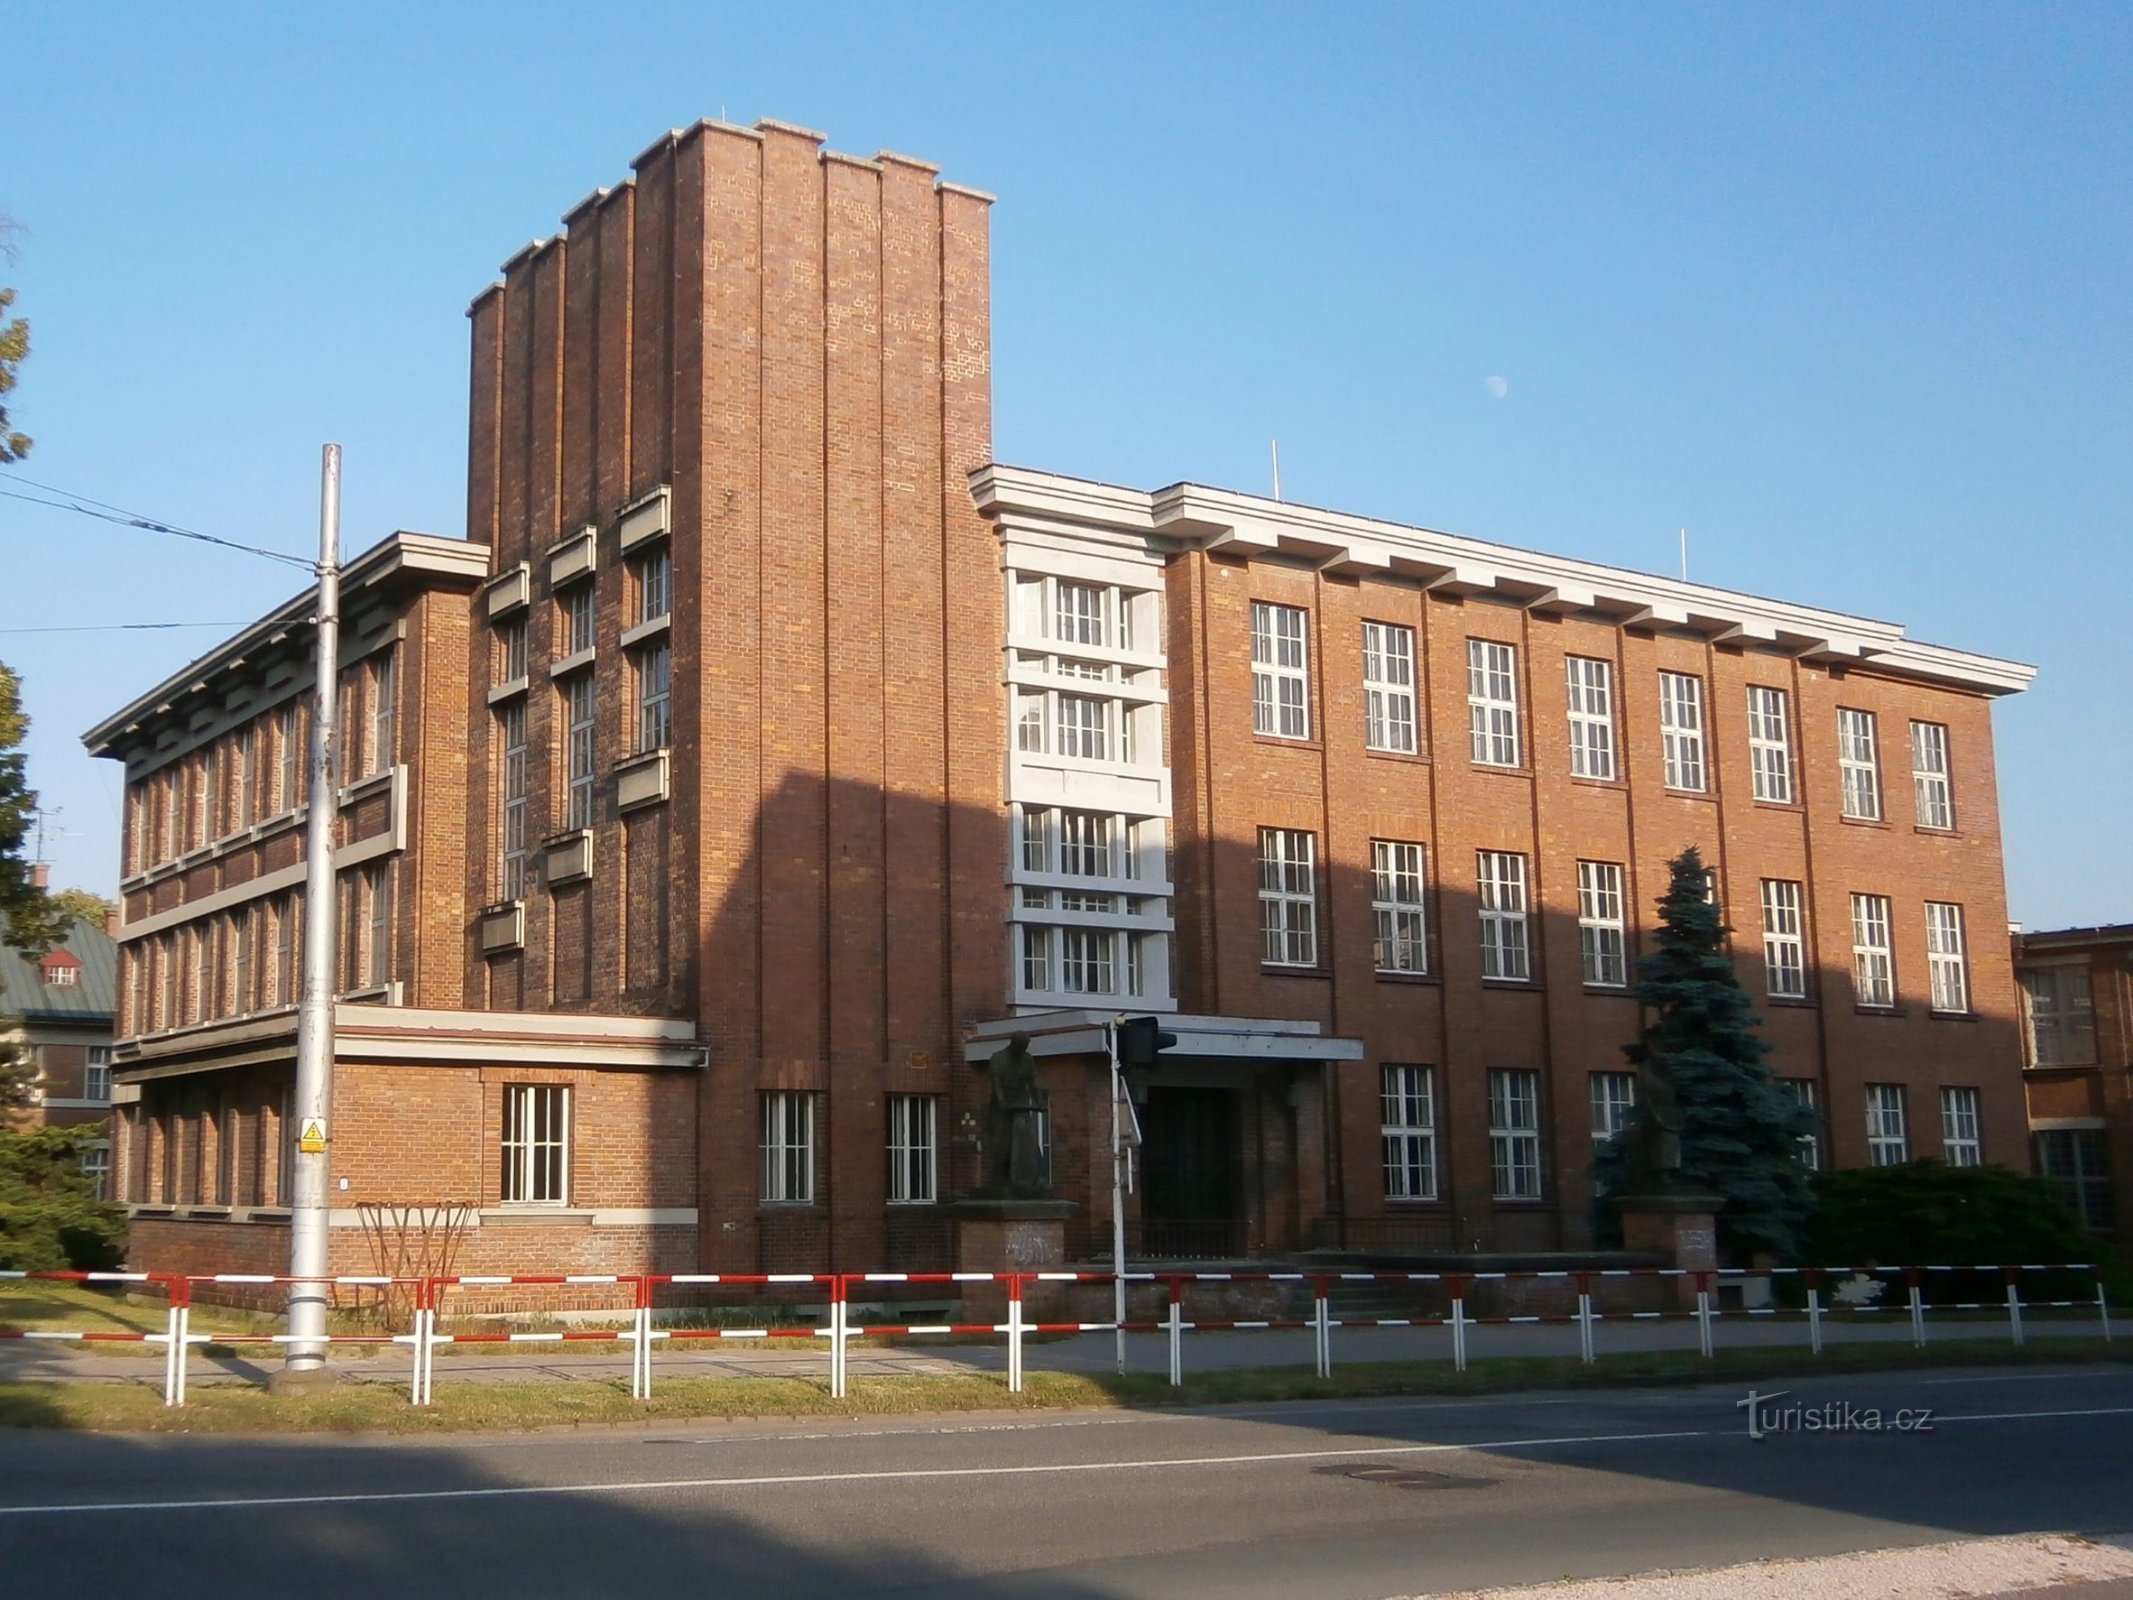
(1400, 1477)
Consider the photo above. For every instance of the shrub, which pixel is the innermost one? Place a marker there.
(50, 1218)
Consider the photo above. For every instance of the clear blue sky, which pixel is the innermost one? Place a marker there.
(1842, 289)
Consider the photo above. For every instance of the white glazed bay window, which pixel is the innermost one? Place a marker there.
(1086, 923)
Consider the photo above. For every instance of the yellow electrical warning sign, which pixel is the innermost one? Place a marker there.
(312, 1141)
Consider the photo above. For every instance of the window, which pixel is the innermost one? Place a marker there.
(1802, 1091)
(1085, 844)
(1592, 716)
(1396, 894)
(578, 750)
(655, 584)
(1389, 687)
(247, 775)
(1784, 941)
(1492, 702)
(1084, 727)
(243, 930)
(96, 1167)
(1614, 1097)
(1502, 880)
(60, 975)
(511, 649)
(1514, 1133)
(577, 630)
(96, 1076)
(2079, 1166)
(289, 787)
(1603, 939)
(1873, 962)
(1770, 744)
(1078, 613)
(1681, 722)
(1086, 960)
(1887, 1142)
(1944, 957)
(350, 725)
(654, 670)
(1959, 1140)
(384, 706)
(207, 810)
(912, 1119)
(536, 1144)
(1929, 775)
(1408, 1111)
(1288, 903)
(1036, 957)
(1859, 763)
(2062, 1016)
(511, 833)
(1281, 679)
(376, 969)
(788, 1148)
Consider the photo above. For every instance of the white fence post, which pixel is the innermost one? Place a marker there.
(2103, 1309)
(1177, 1334)
(1014, 1333)
(1459, 1324)
(1918, 1310)
(1322, 1318)
(1703, 1314)
(1585, 1352)
(838, 1314)
(2014, 1308)
(1814, 1313)
(174, 1346)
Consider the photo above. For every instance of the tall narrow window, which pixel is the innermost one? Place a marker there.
(207, 799)
(1945, 964)
(1085, 844)
(244, 928)
(1681, 724)
(577, 630)
(654, 665)
(1087, 961)
(1281, 676)
(1784, 941)
(1501, 878)
(1614, 1100)
(912, 1120)
(1929, 775)
(788, 1148)
(511, 649)
(1960, 1141)
(96, 1076)
(1036, 957)
(351, 725)
(1078, 613)
(289, 744)
(1389, 687)
(1888, 1141)
(579, 750)
(655, 584)
(378, 924)
(384, 713)
(1802, 1091)
(1770, 744)
(1859, 764)
(1085, 727)
(2062, 1016)
(536, 1146)
(247, 775)
(511, 829)
(1492, 702)
(1591, 683)
(1288, 897)
(1873, 954)
(1514, 1133)
(2078, 1164)
(1396, 898)
(1603, 936)
(1408, 1116)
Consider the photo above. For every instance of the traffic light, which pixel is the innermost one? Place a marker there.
(1141, 1040)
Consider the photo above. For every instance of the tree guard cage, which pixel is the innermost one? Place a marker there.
(409, 1241)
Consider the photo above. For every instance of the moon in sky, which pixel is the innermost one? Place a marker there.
(1497, 387)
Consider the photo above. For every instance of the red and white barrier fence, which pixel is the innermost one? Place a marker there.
(839, 1332)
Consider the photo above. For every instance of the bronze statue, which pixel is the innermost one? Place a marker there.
(1017, 1165)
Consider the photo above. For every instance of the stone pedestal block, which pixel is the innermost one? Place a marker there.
(1681, 1227)
(1012, 1236)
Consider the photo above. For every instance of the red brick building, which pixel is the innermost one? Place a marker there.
(2077, 1008)
(766, 755)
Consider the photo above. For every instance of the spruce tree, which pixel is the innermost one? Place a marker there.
(1740, 1128)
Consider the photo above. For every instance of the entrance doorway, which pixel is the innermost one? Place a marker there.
(1191, 1194)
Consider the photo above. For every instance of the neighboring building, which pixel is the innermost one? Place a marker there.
(767, 756)
(2077, 1000)
(65, 1003)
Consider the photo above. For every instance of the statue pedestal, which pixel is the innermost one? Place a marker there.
(1012, 1236)
(1681, 1227)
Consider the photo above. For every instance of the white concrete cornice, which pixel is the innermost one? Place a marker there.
(1187, 515)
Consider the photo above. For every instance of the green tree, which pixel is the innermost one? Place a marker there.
(1740, 1128)
(85, 904)
(50, 1218)
(14, 350)
(31, 923)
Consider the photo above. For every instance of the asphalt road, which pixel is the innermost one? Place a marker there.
(1358, 1499)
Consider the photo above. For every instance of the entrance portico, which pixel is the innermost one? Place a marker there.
(1234, 1152)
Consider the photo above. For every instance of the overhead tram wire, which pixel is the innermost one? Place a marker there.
(121, 627)
(104, 511)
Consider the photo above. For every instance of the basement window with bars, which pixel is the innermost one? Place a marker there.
(536, 1144)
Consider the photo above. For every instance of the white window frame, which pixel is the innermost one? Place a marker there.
(1088, 960)
(1514, 1133)
(1500, 878)
(512, 802)
(1932, 782)
(1288, 897)
(536, 1144)
(1590, 684)
(1681, 726)
(96, 1167)
(914, 1149)
(580, 624)
(1603, 930)
(1859, 763)
(1399, 885)
(1784, 939)
(580, 749)
(1389, 688)
(1492, 703)
(1806, 1093)
(1088, 843)
(1961, 1126)
(511, 648)
(788, 1148)
(652, 666)
(1084, 724)
(1888, 1139)
(655, 583)
(1281, 671)
(383, 691)
(247, 775)
(1036, 956)
(2059, 1010)
(375, 970)
(1081, 612)
(289, 746)
(1873, 952)
(1947, 967)
(96, 1074)
(1770, 744)
(1407, 1114)
(1614, 1100)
